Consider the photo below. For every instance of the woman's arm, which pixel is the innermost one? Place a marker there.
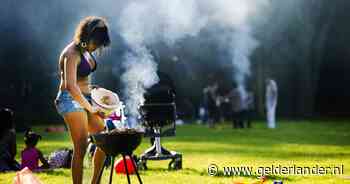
(70, 80)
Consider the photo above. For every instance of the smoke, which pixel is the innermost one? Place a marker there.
(237, 18)
(148, 22)
(141, 74)
(241, 47)
(145, 23)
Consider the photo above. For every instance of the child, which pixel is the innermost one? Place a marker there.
(7, 142)
(31, 155)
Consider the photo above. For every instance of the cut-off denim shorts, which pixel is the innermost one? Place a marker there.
(65, 103)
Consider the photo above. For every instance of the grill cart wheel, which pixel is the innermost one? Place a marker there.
(142, 165)
(176, 163)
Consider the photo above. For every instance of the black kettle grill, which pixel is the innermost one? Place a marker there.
(117, 142)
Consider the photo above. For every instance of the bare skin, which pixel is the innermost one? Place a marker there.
(80, 124)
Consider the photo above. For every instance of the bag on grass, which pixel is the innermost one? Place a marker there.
(61, 158)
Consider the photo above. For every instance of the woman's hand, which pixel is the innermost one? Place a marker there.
(91, 109)
(98, 112)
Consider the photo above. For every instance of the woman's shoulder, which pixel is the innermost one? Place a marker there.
(70, 51)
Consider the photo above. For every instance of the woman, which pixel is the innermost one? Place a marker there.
(76, 63)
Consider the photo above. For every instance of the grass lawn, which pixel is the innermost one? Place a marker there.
(292, 143)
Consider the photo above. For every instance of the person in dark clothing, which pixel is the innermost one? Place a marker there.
(242, 106)
(249, 109)
(210, 93)
(7, 142)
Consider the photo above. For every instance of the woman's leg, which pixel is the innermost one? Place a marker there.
(96, 125)
(78, 126)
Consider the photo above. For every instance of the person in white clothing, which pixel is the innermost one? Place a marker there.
(271, 102)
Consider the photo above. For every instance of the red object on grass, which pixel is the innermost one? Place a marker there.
(120, 168)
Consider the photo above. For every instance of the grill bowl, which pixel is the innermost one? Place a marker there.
(117, 141)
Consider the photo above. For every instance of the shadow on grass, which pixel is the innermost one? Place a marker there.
(220, 174)
(55, 172)
(254, 176)
(268, 153)
(187, 171)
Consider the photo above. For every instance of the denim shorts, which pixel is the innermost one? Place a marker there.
(65, 103)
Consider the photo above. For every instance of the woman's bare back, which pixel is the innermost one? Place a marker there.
(82, 82)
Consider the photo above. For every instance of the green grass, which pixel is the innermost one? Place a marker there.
(299, 143)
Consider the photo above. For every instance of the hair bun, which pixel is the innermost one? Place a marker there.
(32, 135)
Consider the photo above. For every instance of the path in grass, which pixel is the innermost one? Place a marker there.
(292, 143)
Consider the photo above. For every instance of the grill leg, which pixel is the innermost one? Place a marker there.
(136, 170)
(126, 169)
(101, 172)
(112, 169)
(157, 141)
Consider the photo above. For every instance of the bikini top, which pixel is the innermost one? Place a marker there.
(84, 68)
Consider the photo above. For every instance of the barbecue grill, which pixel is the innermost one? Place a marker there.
(159, 111)
(117, 142)
(122, 140)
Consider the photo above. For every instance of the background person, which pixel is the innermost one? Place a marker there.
(211, 94)
(31, 155)
(7, 142)
(271, 102)
(236, 100)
